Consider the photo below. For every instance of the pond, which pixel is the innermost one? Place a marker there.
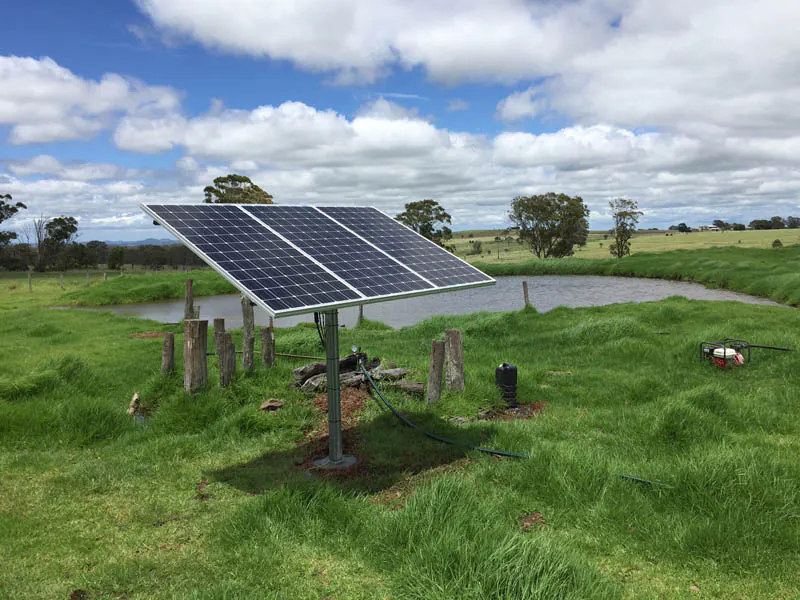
(546, 293)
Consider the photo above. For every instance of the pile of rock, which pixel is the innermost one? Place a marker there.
(312, 379)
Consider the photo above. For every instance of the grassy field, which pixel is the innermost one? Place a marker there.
(643, 242)
(771, 273)
(210, 498)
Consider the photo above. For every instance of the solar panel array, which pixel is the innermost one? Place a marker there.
(295, 259)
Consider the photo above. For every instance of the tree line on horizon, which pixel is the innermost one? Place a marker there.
(550, 224)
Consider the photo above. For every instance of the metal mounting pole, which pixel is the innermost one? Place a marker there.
(335, 458)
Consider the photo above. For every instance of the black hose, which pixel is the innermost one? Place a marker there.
(773, 348)
(433, 436)
(320, 323)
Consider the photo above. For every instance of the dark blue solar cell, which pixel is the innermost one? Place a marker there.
(260, 261)
(359, 263)
(411, 249)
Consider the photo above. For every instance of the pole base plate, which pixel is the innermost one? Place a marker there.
(327, 463)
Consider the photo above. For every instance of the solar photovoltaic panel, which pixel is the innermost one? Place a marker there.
(296, 259)
(421, 255)
(358, 262)
(252, 257)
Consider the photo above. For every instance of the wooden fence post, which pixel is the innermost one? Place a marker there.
(435, 372)
(188, 306)
(61, 280)
(168, 354)
(360, 314)
(195, 342)
(226, 352)
(30, 282)
(88, 281)
(230, 356)
(248, 334)
(105, 276)
(219, 331)
(525, 294)
(267, 346)
(454, 361)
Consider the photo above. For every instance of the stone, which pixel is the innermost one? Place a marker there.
(272, 404)
(389, 374)
(134, 406)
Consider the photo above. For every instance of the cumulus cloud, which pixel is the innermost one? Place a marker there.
(709, 69)
(702, 68)
(47, 165)
(503, 40)
(44, 102)
(519, 105)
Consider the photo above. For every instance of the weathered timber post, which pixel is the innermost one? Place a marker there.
(248, 334)
(219, 331)
(168, 354)
(453, 361)
(525, 294)
(267, 346)
(30, 282)
(61, 280)
(435, 372)
(88, 281)
(230, 355)
(188, 306)
(226, 353)
(195, 342)
(105, 276)
(360, 314)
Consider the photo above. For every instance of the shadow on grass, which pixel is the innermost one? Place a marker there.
(387, 451)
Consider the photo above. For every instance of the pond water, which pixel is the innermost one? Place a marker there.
(546, 293)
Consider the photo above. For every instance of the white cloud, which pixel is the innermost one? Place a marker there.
(702, 68)
(80, 171)
(457, 104)
(712, 68)
(44, 102)
(519, 105)
(503, 40)
(386, 156)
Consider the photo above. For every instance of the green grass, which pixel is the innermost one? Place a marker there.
(146, 287)
(771, 273)
(92, 499)
(643, 241)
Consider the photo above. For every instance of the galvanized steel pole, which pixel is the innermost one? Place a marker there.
(335, 456)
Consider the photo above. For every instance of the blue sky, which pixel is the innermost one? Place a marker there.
(687, 108)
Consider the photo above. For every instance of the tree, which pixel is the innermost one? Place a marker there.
(792, 222)
(116, 257)
(551, 224)
(428, 219)
(760, 224)
(52, 238)
(98, 252)
(684, 228)
(235, 189)
(777, 244)
(777, 223)
(8, 210)
(723, 226)
(739, 227)
(626, 216)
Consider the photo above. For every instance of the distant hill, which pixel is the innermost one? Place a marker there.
(146, 242)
